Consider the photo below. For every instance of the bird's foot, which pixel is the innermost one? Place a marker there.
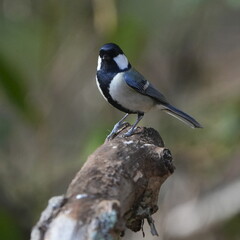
(116, 129)
(129, 133)
(111, 135)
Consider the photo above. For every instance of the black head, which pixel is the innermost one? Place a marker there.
(111, 58)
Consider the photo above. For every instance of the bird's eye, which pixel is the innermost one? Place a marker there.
(114, 53)
(106, 57)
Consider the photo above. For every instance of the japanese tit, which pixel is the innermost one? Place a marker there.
(127, 90)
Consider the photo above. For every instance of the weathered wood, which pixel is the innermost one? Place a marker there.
(117, 187)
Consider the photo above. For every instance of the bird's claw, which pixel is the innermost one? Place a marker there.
(128, 134)
(111, 135)
(116, 129)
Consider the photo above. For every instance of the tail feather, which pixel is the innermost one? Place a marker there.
(171, 110)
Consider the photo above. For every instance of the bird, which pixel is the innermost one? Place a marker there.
(128, 90)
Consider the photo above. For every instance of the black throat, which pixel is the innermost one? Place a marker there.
(104, 77)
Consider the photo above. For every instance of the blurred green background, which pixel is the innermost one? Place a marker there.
(52, 115)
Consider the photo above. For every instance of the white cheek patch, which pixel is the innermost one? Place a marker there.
(99, 63)
(121, 61)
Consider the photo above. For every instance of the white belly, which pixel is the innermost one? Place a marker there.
(128, 97)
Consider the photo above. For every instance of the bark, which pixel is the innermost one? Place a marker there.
(117, 188)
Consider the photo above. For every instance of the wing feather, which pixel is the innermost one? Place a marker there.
(136, 81)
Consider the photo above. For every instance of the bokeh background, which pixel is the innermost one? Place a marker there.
(52, 115)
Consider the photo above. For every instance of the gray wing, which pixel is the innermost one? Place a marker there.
(136, 81)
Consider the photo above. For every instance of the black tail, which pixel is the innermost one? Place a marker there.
(171, 110)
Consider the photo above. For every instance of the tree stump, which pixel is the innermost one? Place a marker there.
(117, 188)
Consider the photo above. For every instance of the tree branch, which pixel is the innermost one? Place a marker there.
(117, 187)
